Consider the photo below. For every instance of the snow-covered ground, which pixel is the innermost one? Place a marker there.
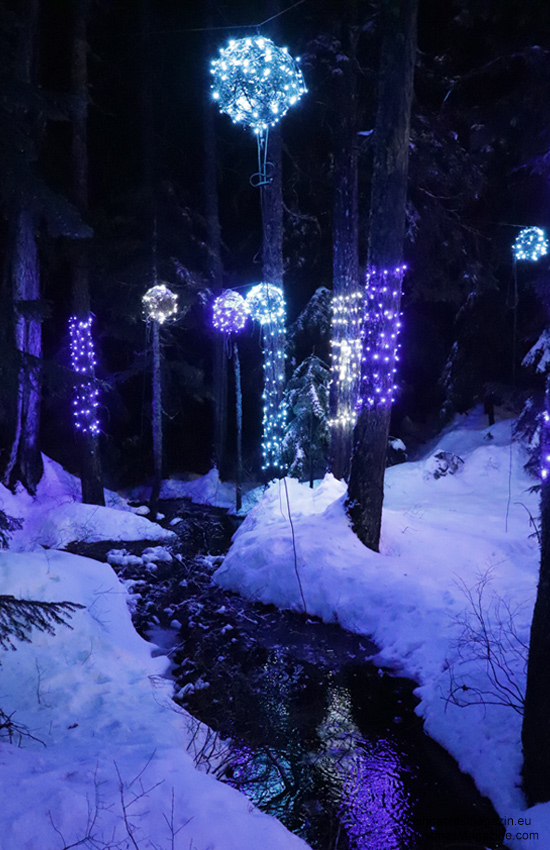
(114, 755)
(56, 517)
(108, 765)
(204, 490)
(442, 536)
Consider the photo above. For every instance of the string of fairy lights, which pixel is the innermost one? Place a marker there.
(83, 362)
(255, 83)
(346, 349)
(266, 305)
(381, 326)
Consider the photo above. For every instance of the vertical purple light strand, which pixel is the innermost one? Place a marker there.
(381, 326)
(86, 398)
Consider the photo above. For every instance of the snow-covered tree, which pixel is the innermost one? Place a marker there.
(306, 442)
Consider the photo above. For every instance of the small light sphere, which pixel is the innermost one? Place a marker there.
(531, 244)
(255, 82)
(266, 304)
(160, 303)
(229, 312)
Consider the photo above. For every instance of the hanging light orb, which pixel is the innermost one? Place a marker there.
(229, 312)
(256, 82)
(160, 303)
(531, 244)
(266, 304)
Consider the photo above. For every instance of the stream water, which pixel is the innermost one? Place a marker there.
(304, 724)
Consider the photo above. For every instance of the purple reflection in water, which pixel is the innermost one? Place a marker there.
(373, 803)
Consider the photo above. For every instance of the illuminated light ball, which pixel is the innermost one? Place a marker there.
(531, 244)
(229, 312)
(160, 303)
(256, 82)
(266, 304)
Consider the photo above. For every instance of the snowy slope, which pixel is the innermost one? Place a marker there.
(108, 764)
(56, 517)
(439, 535)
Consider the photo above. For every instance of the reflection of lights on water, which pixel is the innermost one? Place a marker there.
(373, 804)
(256, 774)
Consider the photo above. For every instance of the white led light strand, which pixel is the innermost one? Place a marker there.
(381, 325)
(346, 346)
(160, 303)
(256, 82)
(531, 244)
(86, 399)
(266, 305)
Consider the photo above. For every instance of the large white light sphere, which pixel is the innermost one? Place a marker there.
(256, 82)
(160, 303)
(266, 304)
(531, 244)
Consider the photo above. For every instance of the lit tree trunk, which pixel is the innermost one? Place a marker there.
(25, 461)
(157, 422)
(273, 271)
(387, 226)
(535, 733)
(347, 305)
(239, 420)
(215, 267)
(88, 442)
(273, 335)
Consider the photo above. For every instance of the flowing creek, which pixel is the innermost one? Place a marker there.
(302, 722)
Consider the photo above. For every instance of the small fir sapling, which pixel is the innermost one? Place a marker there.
(19, 616)
(306, 442)
(7, 525)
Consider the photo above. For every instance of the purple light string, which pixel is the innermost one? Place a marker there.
(381, 326)
(86, 398)
(545, 442)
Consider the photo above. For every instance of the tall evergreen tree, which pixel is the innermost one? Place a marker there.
(214, 259)
(88, 442)
(387, 230)
(347, 302)
(25, 460)
(306, 441)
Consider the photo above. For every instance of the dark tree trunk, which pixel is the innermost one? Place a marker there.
(25, 460)
(215, 267)
(347, 314)
(239, 420)
(387, 227)
(157, 423)
(88, 442)
(535, 733)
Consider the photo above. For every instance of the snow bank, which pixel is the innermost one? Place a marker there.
(204, 490)
(111, 756)
(56, 517)
(436, 534)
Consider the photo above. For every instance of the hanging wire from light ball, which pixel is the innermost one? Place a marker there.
(266, 304)
(531, 244)
(159, 303)
(229, 312)
(256, 83)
